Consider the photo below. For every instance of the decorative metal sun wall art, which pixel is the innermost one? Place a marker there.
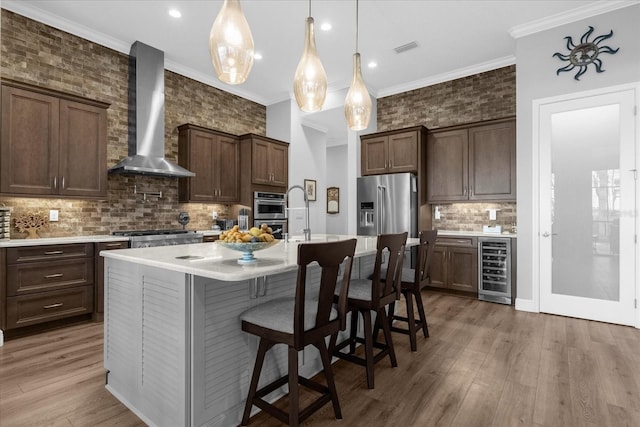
(582, 55)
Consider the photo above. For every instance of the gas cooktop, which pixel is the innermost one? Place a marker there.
(129, 233)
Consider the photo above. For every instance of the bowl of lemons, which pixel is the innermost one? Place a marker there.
(247, 242)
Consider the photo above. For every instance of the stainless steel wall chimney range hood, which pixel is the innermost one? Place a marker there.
(146, 116)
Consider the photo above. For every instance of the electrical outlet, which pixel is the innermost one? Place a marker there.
(53, 215)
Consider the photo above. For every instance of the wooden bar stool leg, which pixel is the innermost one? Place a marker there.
(368, 346)
(387, 336)
(392, 313)
(423, 317)
(411, 320)
(332, 343)
(353, 332)
(328, 373)
(262, 351)
(294, 405)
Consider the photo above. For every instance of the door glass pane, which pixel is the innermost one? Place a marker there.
(585, 202)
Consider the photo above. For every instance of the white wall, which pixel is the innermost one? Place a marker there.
(535, 79)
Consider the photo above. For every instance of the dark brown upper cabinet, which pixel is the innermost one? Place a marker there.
(52, 144)
(472, 163)
(390, 152)
(214, 157)
(269, 161)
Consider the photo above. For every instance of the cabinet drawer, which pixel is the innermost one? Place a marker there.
(48, 252)
(456, 241)
(46, 306)
(45, 276)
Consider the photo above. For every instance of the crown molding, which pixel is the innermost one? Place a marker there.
(574, 15)
(211, 80)
(445, 77)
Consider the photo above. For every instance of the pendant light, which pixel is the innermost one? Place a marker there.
(310, 80)
(357, 105)
(231, 44)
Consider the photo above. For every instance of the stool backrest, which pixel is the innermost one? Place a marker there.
(425, 255)
(389, 288)
(330, 256)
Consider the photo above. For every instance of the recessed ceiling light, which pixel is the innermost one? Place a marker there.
(175, 13)
(326, 26)
(372, 64)
(257, 56)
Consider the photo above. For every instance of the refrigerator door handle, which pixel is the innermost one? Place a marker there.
(382, 208)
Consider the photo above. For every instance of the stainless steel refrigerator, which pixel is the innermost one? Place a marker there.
(388, 204)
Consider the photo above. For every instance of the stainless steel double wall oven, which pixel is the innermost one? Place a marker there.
(270, 209)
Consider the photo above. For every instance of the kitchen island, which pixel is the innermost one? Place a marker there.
(174, 350)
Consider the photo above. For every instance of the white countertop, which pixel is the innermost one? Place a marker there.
(460, 233)
(61, 240)
(217, 262)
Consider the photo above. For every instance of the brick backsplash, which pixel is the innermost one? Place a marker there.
(472, 216)
(35, 53)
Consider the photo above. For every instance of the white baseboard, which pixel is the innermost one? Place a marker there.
(526, 305)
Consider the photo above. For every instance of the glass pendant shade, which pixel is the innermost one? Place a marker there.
(357, 105)
(231, 44)
(310, 80)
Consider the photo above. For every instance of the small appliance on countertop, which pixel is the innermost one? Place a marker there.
(183, 219)
(5, 223)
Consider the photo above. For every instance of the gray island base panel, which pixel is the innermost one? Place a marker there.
(174, 349)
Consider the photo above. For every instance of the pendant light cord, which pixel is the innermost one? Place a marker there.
(309, 8)
(356, 26)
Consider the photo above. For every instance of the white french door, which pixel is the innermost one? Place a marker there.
(587, 179)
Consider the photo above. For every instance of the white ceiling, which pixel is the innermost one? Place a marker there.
(455, 38)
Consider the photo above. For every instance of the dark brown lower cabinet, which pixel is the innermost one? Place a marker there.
(455, 264)
(46, 285)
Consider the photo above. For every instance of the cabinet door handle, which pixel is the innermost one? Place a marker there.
(464, 193)
(62, 183)
(53, 276)
(58, 304)
(470, 190)
(113, 245)
(54, 252)
(55, 182)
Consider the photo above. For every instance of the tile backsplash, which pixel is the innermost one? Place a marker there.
(472, 216)
(123, 210)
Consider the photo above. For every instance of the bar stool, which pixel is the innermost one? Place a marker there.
(298, 322)
(413, 281)
(367, 295)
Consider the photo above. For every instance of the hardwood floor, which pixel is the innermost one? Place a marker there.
(485, 364)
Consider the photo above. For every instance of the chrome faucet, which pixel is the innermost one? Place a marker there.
(307, 230)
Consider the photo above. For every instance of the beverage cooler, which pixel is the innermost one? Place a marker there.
(494, 272)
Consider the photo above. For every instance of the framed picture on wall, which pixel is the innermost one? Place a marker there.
(310, 189)
(333, 200)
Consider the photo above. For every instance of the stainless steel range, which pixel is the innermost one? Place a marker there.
(151, 238)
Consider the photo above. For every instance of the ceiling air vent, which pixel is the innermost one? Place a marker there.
(405, 47)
